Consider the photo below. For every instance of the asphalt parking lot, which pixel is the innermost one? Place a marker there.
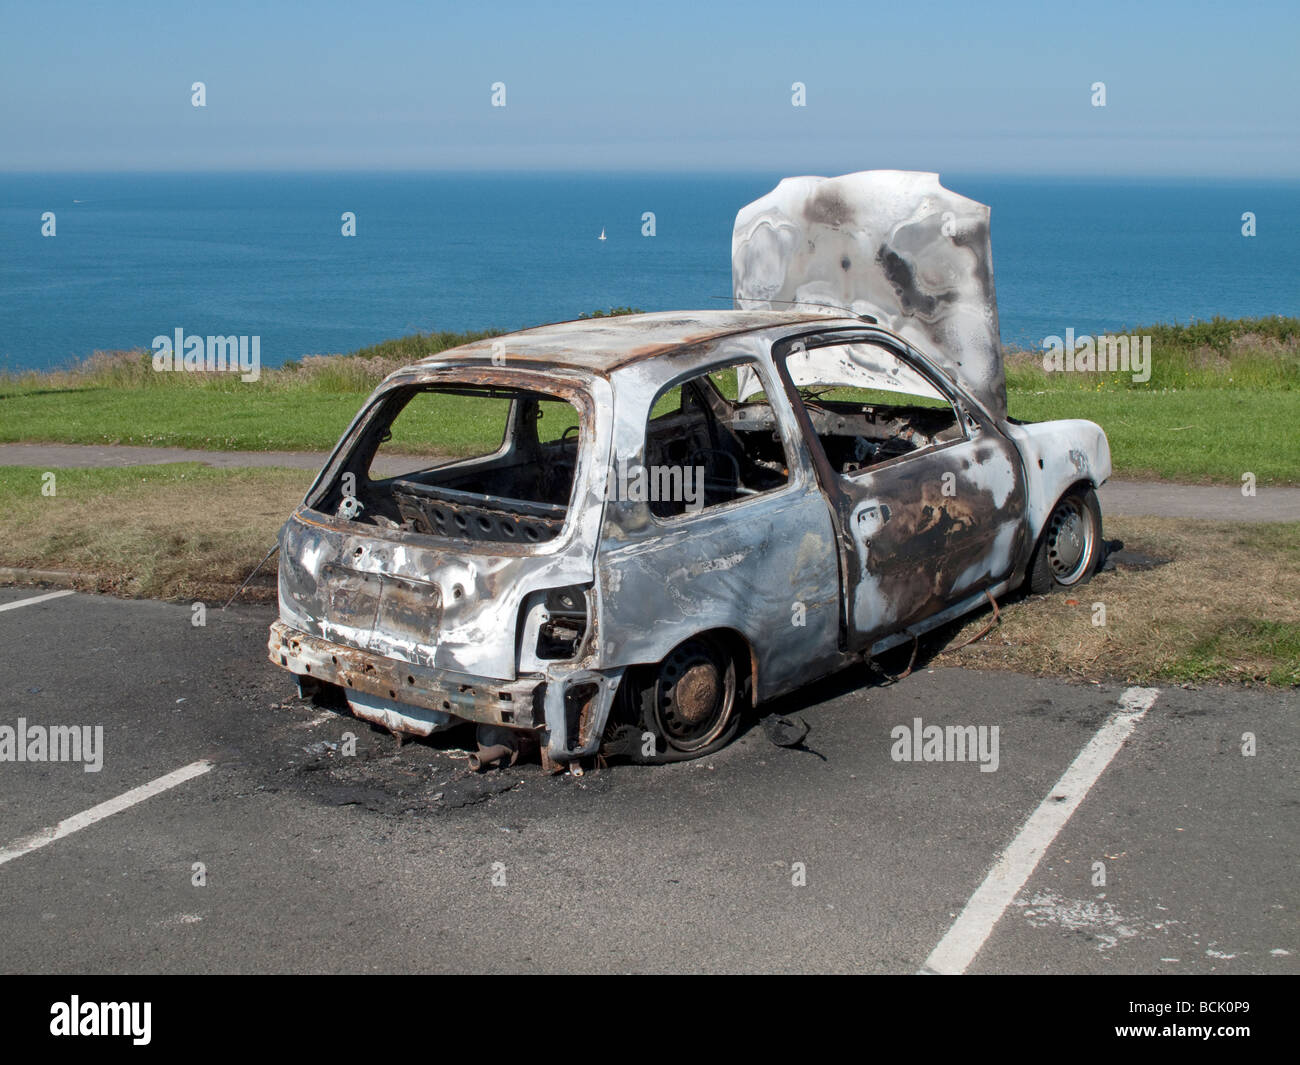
(280, 852)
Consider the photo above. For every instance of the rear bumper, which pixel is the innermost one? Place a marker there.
(569, 705)
(514, 704)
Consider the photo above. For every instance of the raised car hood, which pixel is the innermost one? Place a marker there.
(894, 244)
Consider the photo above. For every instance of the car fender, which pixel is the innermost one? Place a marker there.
(1057, 455)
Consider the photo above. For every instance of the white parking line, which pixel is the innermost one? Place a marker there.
(35, 599)
(966, 937)
(77, 822)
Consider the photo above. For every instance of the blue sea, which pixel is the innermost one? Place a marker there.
(138, 255)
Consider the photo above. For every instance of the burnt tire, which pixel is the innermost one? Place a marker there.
(687, 706)
(1070, 548)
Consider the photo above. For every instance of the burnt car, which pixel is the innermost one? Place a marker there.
(614, 534)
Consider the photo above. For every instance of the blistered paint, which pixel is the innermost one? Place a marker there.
(892, 244)
(447, 604)
(765, 567)
(601, 345)
(927, 529)
(1058, 455)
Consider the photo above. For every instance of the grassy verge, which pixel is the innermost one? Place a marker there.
(1223, 399)
(182, 531)
(1197, 437)
(1226, 608)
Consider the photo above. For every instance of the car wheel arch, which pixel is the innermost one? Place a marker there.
(733, 641)
(1035, 578)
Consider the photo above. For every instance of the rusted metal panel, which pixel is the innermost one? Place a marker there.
(924, 529)
(928, 529)
(515, 704)
(602, 345)
(355, 584)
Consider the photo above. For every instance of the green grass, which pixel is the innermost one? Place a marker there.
(224, 419)
(1222, 354)
(1223, 400)
(1276, 643)
(434, 422)
(1198, 436)
(421, 345)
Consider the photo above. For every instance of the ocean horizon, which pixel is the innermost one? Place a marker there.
(135, 256)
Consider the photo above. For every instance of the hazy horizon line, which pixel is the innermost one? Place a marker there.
(702, 172)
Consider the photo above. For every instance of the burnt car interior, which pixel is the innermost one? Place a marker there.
(738, 450)
(519, 492)
(868, 406)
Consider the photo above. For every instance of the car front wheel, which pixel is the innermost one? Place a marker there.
(1070, 547)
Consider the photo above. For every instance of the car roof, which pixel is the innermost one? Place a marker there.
(604, 344)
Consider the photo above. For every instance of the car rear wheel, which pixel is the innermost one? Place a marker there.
(1070, 547)
(686, 706)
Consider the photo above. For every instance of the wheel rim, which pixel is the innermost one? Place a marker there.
(1070, 538)
(694, 695)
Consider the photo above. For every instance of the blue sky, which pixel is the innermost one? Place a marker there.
(1191, 89)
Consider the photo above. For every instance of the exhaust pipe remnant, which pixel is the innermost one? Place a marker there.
(496, 747)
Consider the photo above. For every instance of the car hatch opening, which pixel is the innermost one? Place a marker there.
(462, 462)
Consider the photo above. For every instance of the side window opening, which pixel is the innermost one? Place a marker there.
(868, 406)
(464, 462)
(704, 448)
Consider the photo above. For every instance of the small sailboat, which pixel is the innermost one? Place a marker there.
(602, 233)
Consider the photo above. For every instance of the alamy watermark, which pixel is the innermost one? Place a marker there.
(946, 743)
(219, 354)
(75, 1017)
(1103, 354)
(53, 743)
(656, 484)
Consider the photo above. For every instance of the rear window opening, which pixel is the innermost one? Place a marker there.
(463, 462)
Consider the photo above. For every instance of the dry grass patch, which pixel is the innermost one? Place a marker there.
(1226, 608)
(181, 531)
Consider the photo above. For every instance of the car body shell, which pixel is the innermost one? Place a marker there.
(422, 632)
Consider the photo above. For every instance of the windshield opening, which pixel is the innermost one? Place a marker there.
(868, 406)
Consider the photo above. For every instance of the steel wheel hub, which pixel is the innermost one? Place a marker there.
(693, 698)
(697, 692)
(1069, 542)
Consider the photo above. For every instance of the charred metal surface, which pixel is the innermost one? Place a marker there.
(764, 568)
(1058, 455)
(446, 603)
(927, 528)
(893, 244)
(934, 541)
(578, 704)
(497, 746)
